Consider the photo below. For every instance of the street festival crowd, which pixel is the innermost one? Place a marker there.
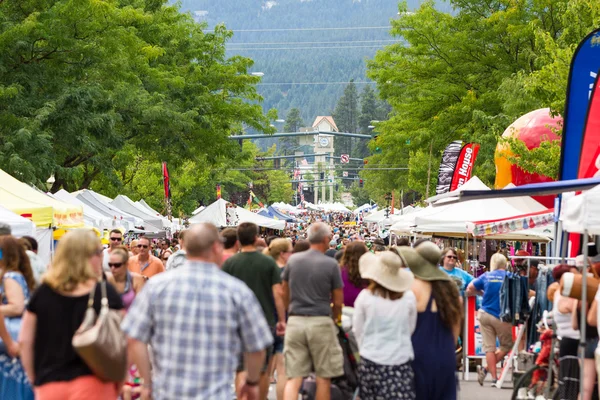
(211, 312)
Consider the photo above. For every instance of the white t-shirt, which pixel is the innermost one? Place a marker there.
(105, 259)
(383, 327)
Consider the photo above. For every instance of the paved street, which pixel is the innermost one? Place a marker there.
(469, 391)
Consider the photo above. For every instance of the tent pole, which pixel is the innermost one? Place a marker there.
(467, 250)
(583, 320)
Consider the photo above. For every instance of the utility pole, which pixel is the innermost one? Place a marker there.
(429, 169)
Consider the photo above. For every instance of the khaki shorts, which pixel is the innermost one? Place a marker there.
(311, 344)
(492, 328)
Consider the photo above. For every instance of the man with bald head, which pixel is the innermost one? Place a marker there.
(198, 320)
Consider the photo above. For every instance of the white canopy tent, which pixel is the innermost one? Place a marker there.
(365, 208)
(334, 207)
(98, 203)
(19, 226)
(525, 203)
(581, 213)
(90, 215)
(222, 215)
(198, 210)
(379, 216)
(147, 207)
(151, 222)
(406, 223)
(453, 218)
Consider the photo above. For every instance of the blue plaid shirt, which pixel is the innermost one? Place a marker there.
(198, 320)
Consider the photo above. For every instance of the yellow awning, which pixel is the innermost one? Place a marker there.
(42, 209)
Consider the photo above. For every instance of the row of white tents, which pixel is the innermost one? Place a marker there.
(448, 218)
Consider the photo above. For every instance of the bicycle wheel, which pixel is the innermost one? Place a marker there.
(521, 389)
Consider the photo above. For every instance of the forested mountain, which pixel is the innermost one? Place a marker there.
(280, 36)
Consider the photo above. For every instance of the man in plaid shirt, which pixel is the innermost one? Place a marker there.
(197, 320)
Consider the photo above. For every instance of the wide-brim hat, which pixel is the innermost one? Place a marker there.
(386, 269)
(423, 260)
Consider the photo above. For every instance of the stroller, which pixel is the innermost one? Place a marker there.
(344, 387)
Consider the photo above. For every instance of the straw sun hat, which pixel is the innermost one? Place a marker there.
(385, 268)
(423, 260)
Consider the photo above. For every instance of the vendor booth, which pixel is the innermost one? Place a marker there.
(19, 226)
(223, 214)
(46, 212)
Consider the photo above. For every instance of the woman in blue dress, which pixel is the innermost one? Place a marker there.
(439, 318)
(16, 284)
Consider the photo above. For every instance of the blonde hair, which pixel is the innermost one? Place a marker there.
(498, 261)
(123, 252)
(71, 264)
(277, 247)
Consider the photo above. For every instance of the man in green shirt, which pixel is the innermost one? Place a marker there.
(263, 277)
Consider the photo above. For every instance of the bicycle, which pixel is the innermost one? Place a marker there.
(541, 380)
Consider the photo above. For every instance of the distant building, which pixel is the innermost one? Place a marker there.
(322, 145)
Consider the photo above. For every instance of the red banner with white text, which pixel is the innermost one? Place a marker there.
(464, 165)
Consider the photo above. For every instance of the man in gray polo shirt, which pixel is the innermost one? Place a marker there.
(311, 282)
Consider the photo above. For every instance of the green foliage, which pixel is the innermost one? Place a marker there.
(360, 195)
(346, 117)
(100, 92)
(468, 76)
(293, 123)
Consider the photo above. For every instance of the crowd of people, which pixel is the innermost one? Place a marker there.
(232, 307)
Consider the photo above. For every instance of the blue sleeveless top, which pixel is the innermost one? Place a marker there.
(14, 384)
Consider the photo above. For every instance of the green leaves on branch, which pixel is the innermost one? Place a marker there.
(88, 88)
(468, 76)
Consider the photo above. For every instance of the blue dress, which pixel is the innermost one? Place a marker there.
(13, 380)
(435, 361)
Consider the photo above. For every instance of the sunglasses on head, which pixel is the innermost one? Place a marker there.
(145, 246)
(116, 239)
(115, 265)
(453, 257)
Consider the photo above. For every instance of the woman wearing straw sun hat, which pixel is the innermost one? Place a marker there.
(438, 323)
(385, 315)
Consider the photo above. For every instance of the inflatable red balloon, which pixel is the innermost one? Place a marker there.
(532, 129)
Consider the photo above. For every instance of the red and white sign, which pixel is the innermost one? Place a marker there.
(344, 158)
(464, 165)
(345, 174)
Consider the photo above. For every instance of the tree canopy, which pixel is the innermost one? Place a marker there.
(467, 76)
(98, 93)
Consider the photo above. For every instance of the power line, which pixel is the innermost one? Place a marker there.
(349, 28)
(333, 42)
(312, 83)
(304, 48)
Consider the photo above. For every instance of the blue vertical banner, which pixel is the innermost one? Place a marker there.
(582, 77)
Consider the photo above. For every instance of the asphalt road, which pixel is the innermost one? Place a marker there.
(468, 391)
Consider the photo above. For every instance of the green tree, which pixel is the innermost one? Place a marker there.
(369, 111)
(360, 195)
(87, 85)
(346, 118)
(293, 123)
(293, 120)
(467, 76)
